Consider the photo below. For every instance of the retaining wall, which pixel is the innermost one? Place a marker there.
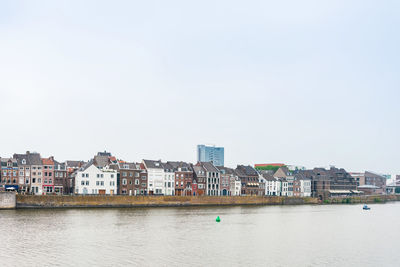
(29, 201)
(7, 200)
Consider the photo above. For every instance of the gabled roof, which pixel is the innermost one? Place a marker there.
(268, 177)
(4, 161)
(226, 170)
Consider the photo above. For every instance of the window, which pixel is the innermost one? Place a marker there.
(124, 174)
(33, 180)
(143, 177)
(143, 185)
(102, 183)
(130, 174)
(87, 175)
(136, 181)
(82, 182)
(137, 174)
(130, 182)
(112, 175)
(98, 175)
(87, 182)
(124, 181)
(97, 182)
(83, 175)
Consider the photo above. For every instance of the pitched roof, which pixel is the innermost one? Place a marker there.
(246, 170)
(30, 158)
(153, 164)
(208, 166)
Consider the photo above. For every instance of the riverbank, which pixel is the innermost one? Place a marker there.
(99, 201)
(11, 201)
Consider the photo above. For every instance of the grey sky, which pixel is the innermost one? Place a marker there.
(312, 83)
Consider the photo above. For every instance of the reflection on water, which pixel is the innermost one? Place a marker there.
(337, 235)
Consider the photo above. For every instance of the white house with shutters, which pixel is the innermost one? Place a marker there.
(92, 180)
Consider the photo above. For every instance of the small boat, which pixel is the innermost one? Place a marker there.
(366, 207)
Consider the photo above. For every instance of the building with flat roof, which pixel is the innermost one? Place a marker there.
(212, 154)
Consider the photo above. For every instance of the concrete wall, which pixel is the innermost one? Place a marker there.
(7, 200)
(29, 201)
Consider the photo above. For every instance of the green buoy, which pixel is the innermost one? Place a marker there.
(218, 219)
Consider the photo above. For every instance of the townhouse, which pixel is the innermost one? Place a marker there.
(272, 185)
(227, 176)
(48, 175)
(155, 176)
(93, 180)
(199, 181)
(61, 183)
(183, 178)
(131, 179)
(250, 181)
(212, 175)
(286, 175)
(9, 174)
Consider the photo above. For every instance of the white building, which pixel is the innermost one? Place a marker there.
(272, 185)
(284, 190)
(235, 186)
(305, 187)
(91, 180)
(169, 180)
(155, 177)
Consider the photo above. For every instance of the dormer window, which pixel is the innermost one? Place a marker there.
(23, 161)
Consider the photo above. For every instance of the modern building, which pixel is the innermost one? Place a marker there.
(212, 154)
(372, 178)
(199, 181)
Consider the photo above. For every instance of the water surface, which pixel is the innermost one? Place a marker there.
(332, 235)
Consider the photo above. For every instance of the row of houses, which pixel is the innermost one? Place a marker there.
(104, 174)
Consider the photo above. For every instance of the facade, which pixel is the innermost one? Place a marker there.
(228, 178)
(25, 173)
(377, 180)
(212, 154)
(359, 177)
(250, 181)
(61, 184)
(132, 180)
(183, 178)
(285, 174)
(48, 176)
(272, 185)
(155, 176)
(9, 174)
(199, 181)
(330, 182)
(212, 178)
(91, 180)
(169, 180)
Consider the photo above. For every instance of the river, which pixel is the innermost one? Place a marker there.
(310, 235)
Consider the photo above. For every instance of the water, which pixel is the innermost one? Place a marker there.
(337, 235)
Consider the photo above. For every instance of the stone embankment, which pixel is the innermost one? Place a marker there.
(7, 200)
(29, 201)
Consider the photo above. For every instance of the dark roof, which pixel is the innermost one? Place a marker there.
(246, 170)
(74, 163)
(101, 161)
(153, 164)
(268, 177)
(4, 161)
(180, 166)
(197, 169)
(30, 158)
(209, 167)
(226, 170)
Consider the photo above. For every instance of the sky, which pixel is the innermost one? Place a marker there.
(312, 83)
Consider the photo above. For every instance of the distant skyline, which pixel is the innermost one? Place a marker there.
(313, 83)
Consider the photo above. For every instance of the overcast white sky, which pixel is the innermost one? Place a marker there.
(313, 83)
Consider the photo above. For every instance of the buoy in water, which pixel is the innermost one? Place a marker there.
(218, 219)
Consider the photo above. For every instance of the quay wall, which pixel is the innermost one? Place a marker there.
(88, 201)
(118, 201)
(7, 200)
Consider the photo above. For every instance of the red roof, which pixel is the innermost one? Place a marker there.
(269, 164)
(47, 161)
